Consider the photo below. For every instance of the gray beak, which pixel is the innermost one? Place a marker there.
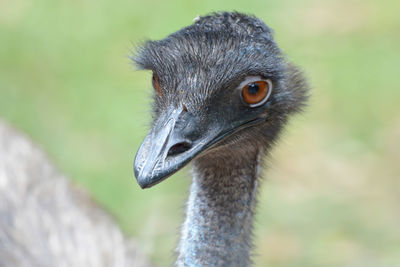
(175, 139)
(166, 148)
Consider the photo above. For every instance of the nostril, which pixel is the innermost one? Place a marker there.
(179, 148)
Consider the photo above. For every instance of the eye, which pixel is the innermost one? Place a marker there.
(256, 92)
(156, 84)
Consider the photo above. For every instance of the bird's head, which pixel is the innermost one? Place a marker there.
(221, 84)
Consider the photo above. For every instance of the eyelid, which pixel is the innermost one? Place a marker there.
(250, 79)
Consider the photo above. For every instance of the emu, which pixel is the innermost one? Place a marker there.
(46, 221)
(223, 92)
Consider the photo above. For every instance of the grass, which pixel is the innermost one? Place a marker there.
(331, 195)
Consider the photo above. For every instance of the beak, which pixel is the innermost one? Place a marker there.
(174, 141)
(165, 149)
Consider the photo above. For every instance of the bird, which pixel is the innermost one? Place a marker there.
(45, 220)
(223, 92)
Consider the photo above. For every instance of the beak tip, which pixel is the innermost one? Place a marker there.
(143, 179)
(143, 182)
(139, 178)
(147, 181)
(143, 185)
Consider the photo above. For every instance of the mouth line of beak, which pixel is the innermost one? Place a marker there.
(221, 137)
(163, 167)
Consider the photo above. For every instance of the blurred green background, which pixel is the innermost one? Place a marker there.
(331, 196)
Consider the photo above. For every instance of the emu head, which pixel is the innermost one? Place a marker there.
(221, 85)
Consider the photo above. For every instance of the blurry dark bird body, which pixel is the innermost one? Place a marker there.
(45, 221)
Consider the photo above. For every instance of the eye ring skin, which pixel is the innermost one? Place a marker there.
(252, 79)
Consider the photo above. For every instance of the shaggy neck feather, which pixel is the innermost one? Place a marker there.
(219, 216)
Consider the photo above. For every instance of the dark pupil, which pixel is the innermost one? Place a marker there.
(253, 89)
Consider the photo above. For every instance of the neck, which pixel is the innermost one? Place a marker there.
(219, 216)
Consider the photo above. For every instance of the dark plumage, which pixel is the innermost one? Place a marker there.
(200, 116)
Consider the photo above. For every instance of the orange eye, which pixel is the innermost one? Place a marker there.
(256, 93)
(156, 85)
